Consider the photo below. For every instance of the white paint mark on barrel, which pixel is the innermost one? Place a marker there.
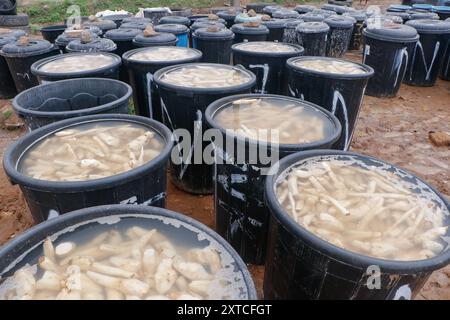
(52, 214)
(403, 293)
(149, 77)
(399, 56)
(427, 67)
(265, 68)
(131, 200)
(197, 133)
(337, 97)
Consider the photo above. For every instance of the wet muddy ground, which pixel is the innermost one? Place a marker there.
(396, 130)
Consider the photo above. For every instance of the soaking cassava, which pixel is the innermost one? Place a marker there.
(330, 66)
(275, 120)
(91, 151)
(78, 63)
(163, 54)
(205, 76)
(135, 258)
(267, 46)
(364, 209)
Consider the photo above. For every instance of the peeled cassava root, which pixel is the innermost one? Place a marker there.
(87, 152)
(274, 120)
(365, 210)
(198, 76)
(135, 264)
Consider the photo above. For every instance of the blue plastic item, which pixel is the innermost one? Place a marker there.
(179, 30)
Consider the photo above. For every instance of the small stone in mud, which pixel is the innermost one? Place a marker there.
(439, 139)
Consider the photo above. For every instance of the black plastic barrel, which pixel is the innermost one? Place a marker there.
(214, 43)
(269, 67)
(50, 33)
(56, 101)
(445, 69)
(20, 55)
(300, 265)
(285, 14)
(205, 24)
(276, 29)
(289, 33)
(312, 17)
(228, 16)
(93, 45)
(159, 39)
(26, 247)
(154, 14)
(339, 36)
(258, 7)
(386, 51)
(175, 20)
(304, 8)
(244, 33)
(123, 38)
(145, 184)
(147, 102)
(271, 9)
(104, 25)
(341, 94)
(64, 39)
(426, 57)
(7, 87)
(110, 71)
(356, 38)
(184, 108)
(241, 216)
(312, 36)
(141, 25)
(179, 30)
(8, 7)
(442, 11)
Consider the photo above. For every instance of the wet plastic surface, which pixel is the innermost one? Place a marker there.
(61, 100)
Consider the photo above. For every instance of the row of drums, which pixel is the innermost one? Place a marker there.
(318, 219)
(105, 159)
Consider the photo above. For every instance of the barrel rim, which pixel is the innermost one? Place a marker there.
(368, 74)
(230, 89)
(36, 66)
(23, 144)
(128, 61)
(300, 50)
(338, 253)
(68, 219)
(217, 105)
(63, 114)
